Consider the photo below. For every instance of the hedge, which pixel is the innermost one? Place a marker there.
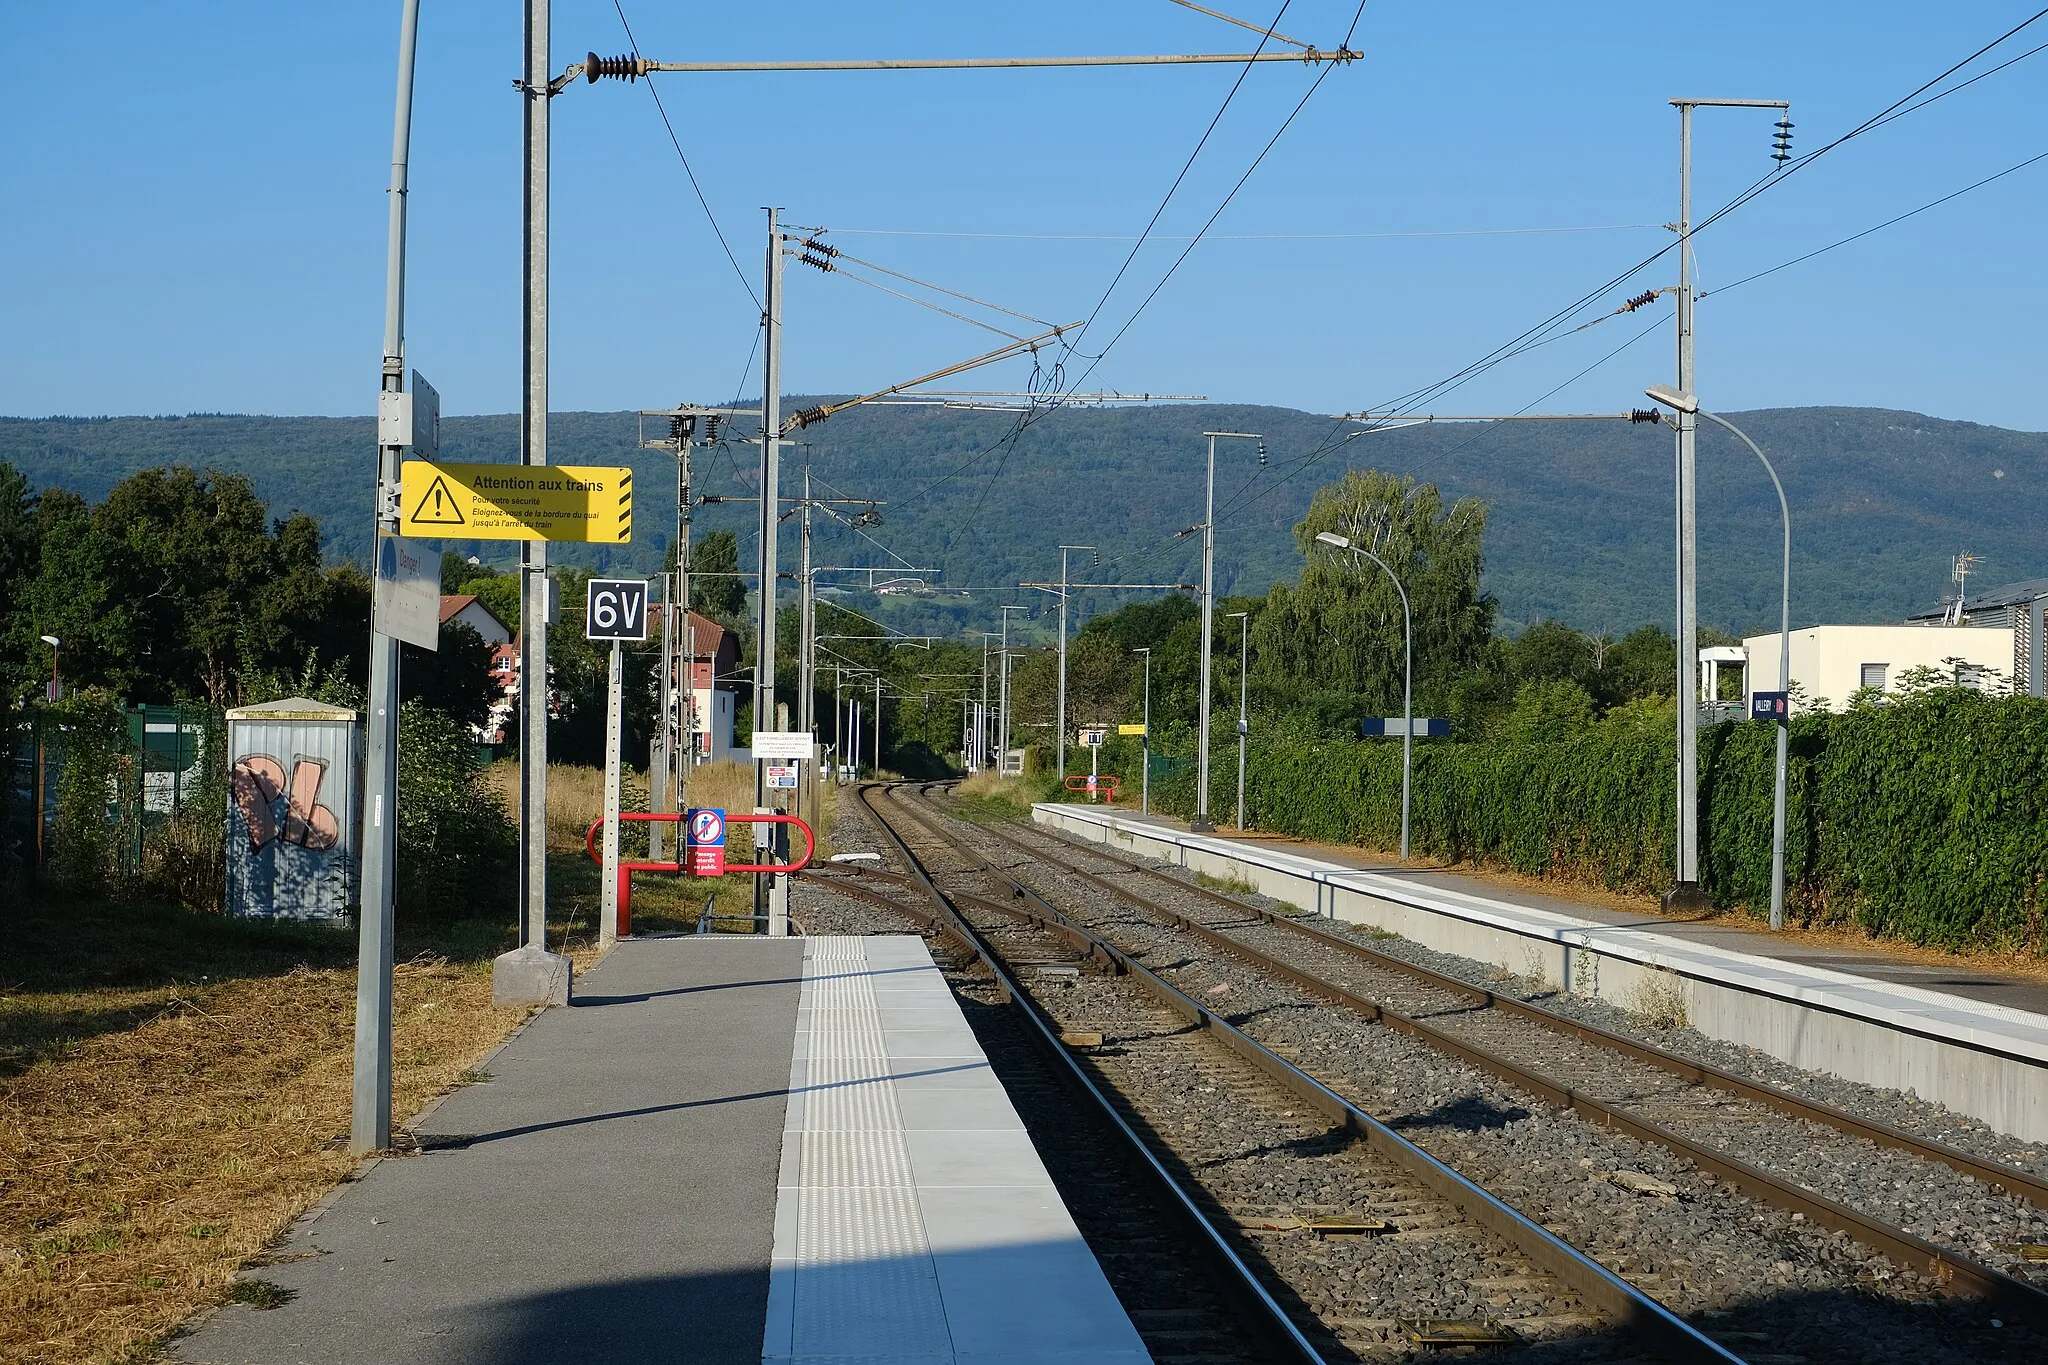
(1924, 818)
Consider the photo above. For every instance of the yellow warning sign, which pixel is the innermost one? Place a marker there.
(516, 502)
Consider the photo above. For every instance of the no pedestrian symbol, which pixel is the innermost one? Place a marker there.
(706, 831)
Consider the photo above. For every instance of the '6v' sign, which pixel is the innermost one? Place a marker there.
(615, 609)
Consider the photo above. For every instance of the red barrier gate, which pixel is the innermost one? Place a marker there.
(626, 869)
(1103, 785)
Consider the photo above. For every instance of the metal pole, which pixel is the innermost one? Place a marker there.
(658, 745)
(1201, 823)
(878, 725)
(370, 1101)
(686, 665)
(533, 450)
(771, 436)
(981, 717)
(1003, 692)
(1244, 636)
(1060, 748)
(1407, 692)
(1686, 889)
(614, 761)
(1784, 677)
(1145, 743)
(807, 644)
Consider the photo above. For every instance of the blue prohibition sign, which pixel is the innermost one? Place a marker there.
(707, 826)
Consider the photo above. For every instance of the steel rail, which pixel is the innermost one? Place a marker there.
(1954, 1273)
(1271, 1318)
(1629, 1306)
(1999, 1176)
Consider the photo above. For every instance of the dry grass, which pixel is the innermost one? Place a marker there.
(170, 1086)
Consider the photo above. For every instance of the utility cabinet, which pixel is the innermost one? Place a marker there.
(295, 782)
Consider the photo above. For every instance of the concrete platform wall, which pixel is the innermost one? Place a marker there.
(1972, 1068)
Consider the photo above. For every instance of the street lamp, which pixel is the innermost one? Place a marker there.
(1145, 739)
(1244, 639)
(52, 641)
(1407, 678)
(1201, 824)
(1689, 404)
(1685, 892)
(1060, 744)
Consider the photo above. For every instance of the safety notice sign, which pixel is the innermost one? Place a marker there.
(705, 831)
(591, 503)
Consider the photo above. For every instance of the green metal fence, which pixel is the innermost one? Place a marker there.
(129, 802)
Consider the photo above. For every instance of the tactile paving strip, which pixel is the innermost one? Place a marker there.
(864, 1284)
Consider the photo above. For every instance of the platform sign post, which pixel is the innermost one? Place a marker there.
(614, 609)
(704, 833)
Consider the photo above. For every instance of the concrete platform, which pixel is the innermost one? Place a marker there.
(914, 1221)
(727, 1150)
(1858, 1015)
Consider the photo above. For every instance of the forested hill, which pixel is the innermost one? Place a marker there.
(1581, 512)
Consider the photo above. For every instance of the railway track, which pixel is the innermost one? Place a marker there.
(1060, 848)
(1805, 1271)
(1725, 1123)
(1357, 1242)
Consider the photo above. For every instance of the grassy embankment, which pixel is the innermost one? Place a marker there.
(173, 1085)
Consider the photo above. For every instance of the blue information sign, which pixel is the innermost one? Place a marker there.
(1770, 705)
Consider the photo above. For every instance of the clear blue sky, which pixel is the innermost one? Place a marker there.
(195, 217)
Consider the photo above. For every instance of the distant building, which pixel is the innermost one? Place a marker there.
(1831, 662)
(713, 687)
(470, 611)
(2019, 607)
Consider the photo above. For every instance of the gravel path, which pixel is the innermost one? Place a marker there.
(1775, 1283)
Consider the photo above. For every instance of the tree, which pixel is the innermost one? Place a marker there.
(20, 553)
(177, 586)
(1551, 650)
(454, 679)
(1338, 633)
(716, 589)
(1643, 663)
(1548, 711)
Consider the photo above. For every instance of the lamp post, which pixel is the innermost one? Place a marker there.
(1407, 674)
(1060, 744)
(52, 641)
(1145, 740)
(1685, 892)
(1244, 638)
(1689, 405)
(1201, 824)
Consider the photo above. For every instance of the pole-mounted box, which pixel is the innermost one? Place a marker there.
(411, 420)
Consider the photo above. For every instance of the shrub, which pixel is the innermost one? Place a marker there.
(1923, 817)
(457, 848)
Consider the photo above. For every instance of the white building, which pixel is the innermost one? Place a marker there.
(1831, 662)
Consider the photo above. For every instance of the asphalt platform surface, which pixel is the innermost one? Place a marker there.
(608, 1194)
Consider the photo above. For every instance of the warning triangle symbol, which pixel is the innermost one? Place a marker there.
(438, 507)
